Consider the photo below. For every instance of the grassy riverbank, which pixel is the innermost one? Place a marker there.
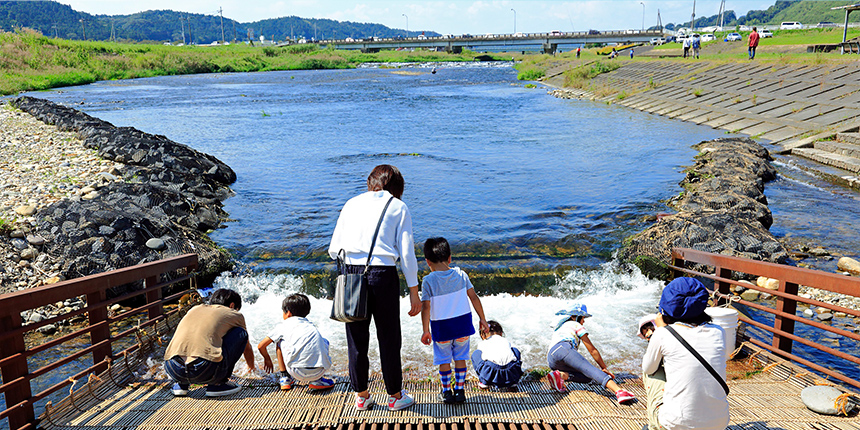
(30, 61)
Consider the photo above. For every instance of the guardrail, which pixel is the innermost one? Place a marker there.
(785, 317)
(14, 352)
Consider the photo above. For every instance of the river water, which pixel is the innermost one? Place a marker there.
(534, 192)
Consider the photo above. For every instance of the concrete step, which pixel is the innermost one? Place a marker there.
(853, 138)
(841, 148)
(843, 162)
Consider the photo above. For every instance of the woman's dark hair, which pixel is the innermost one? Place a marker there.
(702, 318)
(386, 177)
(297, 304)
(225, 297)
(437, 250)
(495, 328)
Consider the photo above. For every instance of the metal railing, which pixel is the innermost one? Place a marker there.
(14, 352)
(787, 298)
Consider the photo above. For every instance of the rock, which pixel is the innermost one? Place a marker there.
(17, 234)
(808, 313)
(35, 240)
(48, 329)
(29, 254)
(770, 284)
(35, 317)
(827, 316)
(818, 252)
(51, 280)
(105, 230)
(26, 210)
(765, 296)
(822, 399)
(115, 307)
(750, 295)
(739, 289)
(155, 243)
(90, 195)
(840, 315)
(849, 265)
(19, 244)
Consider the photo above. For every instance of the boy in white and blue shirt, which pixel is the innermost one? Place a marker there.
(447, 317)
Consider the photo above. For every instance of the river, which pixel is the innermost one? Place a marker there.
(534, 193)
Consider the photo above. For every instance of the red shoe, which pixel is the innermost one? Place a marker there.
(557, 382)
(624, 396)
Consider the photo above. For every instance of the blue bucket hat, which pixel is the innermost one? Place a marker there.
(574, 310)
(684, 298)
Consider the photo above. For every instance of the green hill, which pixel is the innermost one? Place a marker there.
(58, 20)
(808, 12)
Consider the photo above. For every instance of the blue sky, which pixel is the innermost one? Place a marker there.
(446, 17)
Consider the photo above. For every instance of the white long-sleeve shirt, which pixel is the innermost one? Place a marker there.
(354, 233)
(692, 399)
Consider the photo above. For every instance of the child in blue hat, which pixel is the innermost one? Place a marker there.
(568, 364)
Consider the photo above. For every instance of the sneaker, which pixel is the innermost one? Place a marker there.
(556, 381)
(285, 382)
(482, 385)
(321, 384)
(225, 389)
(446, 396)
(460, 396)
(624, 396)
(405, 401)
(363, 403)
(180, 389)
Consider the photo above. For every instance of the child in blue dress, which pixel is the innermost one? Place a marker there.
(568, 364)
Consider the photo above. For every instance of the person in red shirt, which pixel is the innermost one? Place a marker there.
(753, 43)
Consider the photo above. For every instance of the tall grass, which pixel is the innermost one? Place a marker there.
(31, 61)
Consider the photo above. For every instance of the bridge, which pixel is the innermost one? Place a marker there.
(549, 43)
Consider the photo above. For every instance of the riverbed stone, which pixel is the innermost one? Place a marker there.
(822, 399)
(769, 283)
(16, 233)
(750, 295)
(35, 240)
(848, 264)
(48, 329)
(29, 254)
(839, 315)
(818, 252)
(826, 316)
(809, 313)
(155, 243)
(25, 210)
(19, 244)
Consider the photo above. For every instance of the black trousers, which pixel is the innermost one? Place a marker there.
(384, 306)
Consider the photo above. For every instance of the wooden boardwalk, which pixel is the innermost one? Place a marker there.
(769, 399)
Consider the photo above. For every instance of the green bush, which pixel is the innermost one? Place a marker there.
(531, 74)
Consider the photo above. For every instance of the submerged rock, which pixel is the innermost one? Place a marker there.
(849, 265)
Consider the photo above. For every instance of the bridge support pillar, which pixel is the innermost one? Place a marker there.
(550, 48)
(455, 49)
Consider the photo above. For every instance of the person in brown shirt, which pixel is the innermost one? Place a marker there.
(207, 345)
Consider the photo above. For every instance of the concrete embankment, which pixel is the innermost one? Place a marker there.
(812, 111)
(102, 197)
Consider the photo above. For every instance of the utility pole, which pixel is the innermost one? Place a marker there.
(84, 28)
(515, 20)
(112, 32)
(221, 12)
(693, 18)
(407, 25)
(182, 23)
(659, 21)
(234, 31)
(722, 11)
(190, 37)
(643, 15)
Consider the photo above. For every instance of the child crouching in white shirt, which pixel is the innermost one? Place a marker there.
(302, 351)
(496, 362)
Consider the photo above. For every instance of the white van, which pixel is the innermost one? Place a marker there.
(790, 25)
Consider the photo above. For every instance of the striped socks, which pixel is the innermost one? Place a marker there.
(460, 378)
(445, 378)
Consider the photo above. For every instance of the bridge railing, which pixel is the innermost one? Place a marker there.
(727, 268)
(14, 351)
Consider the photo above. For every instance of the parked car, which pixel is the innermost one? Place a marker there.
(765, 33)
(825, 24)
(707, 37)
(658, 40)
(790, 25)
(732, 37)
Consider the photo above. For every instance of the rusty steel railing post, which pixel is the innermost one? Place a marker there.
(722, 287)
(101, 333)
(21, 391)
(677, 261)
(153, 296)
(788, 306)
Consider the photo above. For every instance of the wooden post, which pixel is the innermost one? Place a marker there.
(103, 331)
(153, 296)
(17, 368)
(788, 306)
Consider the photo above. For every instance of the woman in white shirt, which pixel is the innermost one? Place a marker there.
(687, 396)
(353, 234)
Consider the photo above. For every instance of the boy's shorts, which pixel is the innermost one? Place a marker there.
(450, 351)
(306, 374)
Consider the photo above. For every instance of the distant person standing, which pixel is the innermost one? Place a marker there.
(631, 53)
(577, 52)
(753, 43)
(696, 46)
(687, 45)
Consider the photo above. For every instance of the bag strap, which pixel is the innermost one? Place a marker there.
(699, 357)
(376, 233)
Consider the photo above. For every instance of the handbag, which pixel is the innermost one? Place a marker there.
(699, 357)
(351, 289)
